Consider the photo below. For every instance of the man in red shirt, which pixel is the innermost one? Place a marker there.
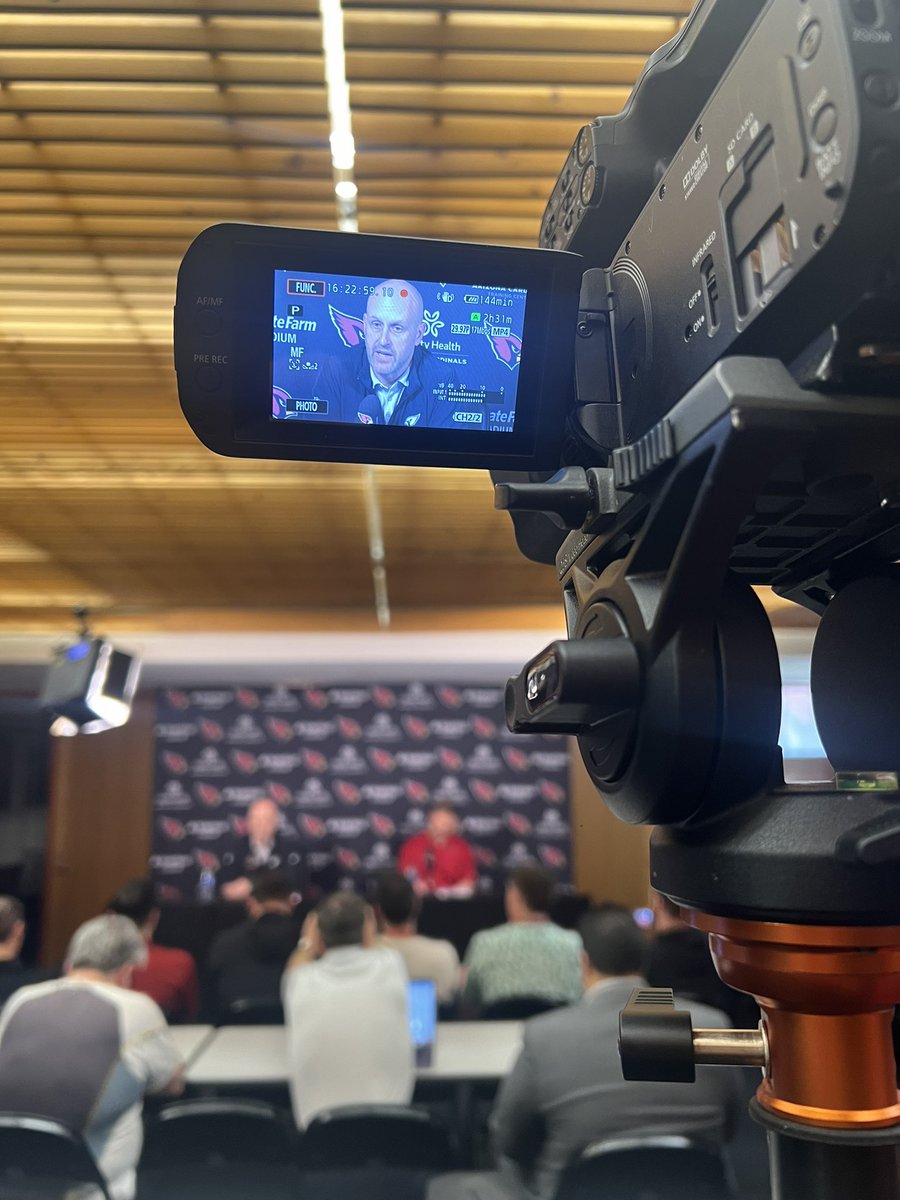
(439, 862)
(170, 976)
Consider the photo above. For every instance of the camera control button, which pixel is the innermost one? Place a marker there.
(208, 321)
(825, 124)
(208, 377)
(810, 41)
(881, 89)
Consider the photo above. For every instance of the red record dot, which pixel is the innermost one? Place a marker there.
(404, 293)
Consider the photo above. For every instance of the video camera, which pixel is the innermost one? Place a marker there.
(691, 389)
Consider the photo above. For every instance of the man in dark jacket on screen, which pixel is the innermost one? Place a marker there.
(392, 379)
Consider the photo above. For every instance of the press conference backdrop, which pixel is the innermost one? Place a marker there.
(353, 771)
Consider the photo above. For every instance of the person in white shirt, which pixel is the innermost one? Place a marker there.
(398, 908)
(346, 1011)
(84, 1049)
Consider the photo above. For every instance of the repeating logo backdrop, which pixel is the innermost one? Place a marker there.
(353, 770)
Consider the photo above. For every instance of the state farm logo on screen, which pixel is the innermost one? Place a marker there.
(311, 826)
(416, 727)
(279, 729)
(314, 794)
(382, 826)
(416, 791)
(553, 857)
(315, 698)
(418, 696)
(208, 794)
(211, 730)
(379, 857)
(347, 859)
(247, 698)
(382, 728)
(173, 795)
(517, 855)
(484, 759)
(381, 760)
(346, 792)
(450, 760)
(349, 761)
(172, 829)
(384, 697)
(244, 761)
(174, 762)
(482, 791)
(206, 860)
(278, 792)
(515, 758)
(314, 760)
(450, 697)
(552, 825)
(484, 856)
(245, 731)
(349, 728)
(176, 698)
(280, 699)
(518, 824)
(451, 790)
(551, 791)
(482, 727)
(209, 762)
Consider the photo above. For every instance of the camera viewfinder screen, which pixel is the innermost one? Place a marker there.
(354, 350)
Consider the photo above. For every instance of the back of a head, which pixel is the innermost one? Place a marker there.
(11, 913)
(341, 918)
(270, 887)
(136, 900)
(106, 944)
(612, 941)
(535, 885)
(395, 898)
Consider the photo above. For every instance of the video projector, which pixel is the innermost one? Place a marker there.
(690, 390)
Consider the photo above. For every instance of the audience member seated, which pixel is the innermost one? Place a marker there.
(438, 862)
(529, 956)
(345, 1003)
(13, 973)
(425, 958)
(247, 961)
(566, 1089)
(678, 957)
(85, 1049)
(170, 975)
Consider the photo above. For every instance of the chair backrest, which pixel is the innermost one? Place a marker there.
(253, 1011)
(655, 1168)
(218, 1131)
(376, 1135)
(39, 1156)
(518, 1008)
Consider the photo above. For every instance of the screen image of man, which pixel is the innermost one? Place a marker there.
(392, 379)
(439, 862)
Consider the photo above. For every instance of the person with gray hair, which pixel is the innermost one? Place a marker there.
(345, 1008)
(13, 973)
(84, 1049)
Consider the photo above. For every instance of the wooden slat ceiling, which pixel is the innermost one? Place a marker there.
(127, 127)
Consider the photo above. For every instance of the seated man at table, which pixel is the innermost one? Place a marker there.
(169, 975)
(398, 908)
(247, 961)
(527, 958)
(264, 847)
(438, 862)
(345, 1005)
(85, 1049)
(566, 1089)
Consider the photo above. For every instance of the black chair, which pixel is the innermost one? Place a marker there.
(44, 1159)
(660, 1168)
(253, 1011)
(518, 1008)
(377, 1135)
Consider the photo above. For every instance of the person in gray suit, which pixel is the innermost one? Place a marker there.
(566, 1089)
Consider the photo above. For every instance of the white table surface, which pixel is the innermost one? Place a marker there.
(464, 1050)
(190, 1039)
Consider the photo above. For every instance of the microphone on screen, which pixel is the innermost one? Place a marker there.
(429, 862)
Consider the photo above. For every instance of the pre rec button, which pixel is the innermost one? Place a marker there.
(825, 124)
(208, 377)
(208, 320)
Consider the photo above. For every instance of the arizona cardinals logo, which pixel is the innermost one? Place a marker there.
(381, 760)
(346, 792)
(349, 328)
(348, 859)
(416, 792)
(483, 728)
(382, 826)
(551, 792)
(174, 762)
(450, 697)
(279, 793)
(207, 861)
(280, 729)
(517, 759)
(168, 891)
(211, 730)
(239, 825)
(550, 856)
(384, 697)
(313, 827)
(174, 830)
(484, 792)
(247, 698)
(207, 794)
(519, 825)
(451, 760)
(315, 760)
(316, 698)
(416, 727)
(365, 419)
(412, 420)
(507, 348)
(279, 402)
(177, 698)
(245, 762)
(349, 728)
(484, 857)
